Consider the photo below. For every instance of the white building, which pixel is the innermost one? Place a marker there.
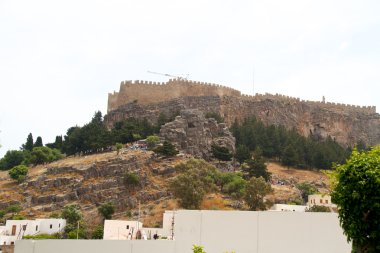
(16, 229)
(288, 208)
(127, 230)
(320, 200)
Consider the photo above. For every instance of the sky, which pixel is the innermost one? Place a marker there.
(60, 59)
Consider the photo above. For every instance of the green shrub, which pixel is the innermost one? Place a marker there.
(18, 172)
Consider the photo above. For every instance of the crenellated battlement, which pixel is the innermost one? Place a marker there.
(322, 104)
(148, 92)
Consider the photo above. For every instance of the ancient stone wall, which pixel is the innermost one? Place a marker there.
(144, 92)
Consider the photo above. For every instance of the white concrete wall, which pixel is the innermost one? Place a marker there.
(221, 231)
(288, 208)
(120, 229)
(58, 225)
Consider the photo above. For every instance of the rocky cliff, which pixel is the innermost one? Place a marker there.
(194, 134)
(347, 124)
(101, 179)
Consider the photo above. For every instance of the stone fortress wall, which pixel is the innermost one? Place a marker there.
(144, 92)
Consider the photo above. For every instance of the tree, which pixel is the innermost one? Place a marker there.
(40, 155)
(11, 159)
(73, 215)
(306, 189)
(38, 142)
(119, 146)
(167, 149)
(256, 168)
(97, 233)
(29, 143)
(106, 210)
(192, 184)
(255, 192)
(18, 172)
(289, 157)
(242, 153)
(356, 191)
(221, 153)
(152, 141)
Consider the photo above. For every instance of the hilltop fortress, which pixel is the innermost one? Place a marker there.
(348, 124)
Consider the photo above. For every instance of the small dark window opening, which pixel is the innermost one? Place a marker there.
(24, 227)
(51, 226)
(36, 227)
(127, 226)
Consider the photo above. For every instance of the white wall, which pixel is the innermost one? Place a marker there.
(120, 229)
(221, 231)
(58, 225)
(288, 208)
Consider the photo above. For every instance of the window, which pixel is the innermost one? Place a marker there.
(326, 201)
(51, 226)
(12, 243)
(24, 227)
(59, 225)
(36, 227)
(127, 226)
(320, 201)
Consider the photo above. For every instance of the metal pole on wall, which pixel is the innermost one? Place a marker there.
(78, 231)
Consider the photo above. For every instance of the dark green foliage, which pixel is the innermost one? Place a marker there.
(11, 159)
(97, 233)
(38, 142)
(92, 137)
(194, 181)
(290, 156)
(131, 179)
(118, 146)
(152, 141)
(13, 209)
(18, 172)
(29, 143)
(306, 189)
(256, 168)
(72, 214)
(255, 192)
(214, 115)
(131, 130)
(242, 153)
(167, 149)
(41, 155)
(58, 143)
(107, 210)
(288, 146)
(221, 153)
(318, 209)
(356, 191)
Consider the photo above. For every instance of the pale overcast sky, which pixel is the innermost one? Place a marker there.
(59, 59)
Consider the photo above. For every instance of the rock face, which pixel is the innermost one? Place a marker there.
(346, 124)
(192, 133)
(89, 185)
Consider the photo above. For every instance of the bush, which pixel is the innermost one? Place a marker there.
(18, 172)
(42, 236)
(131, 179)
(106, 210)
(318, 209)
(167, 149)
(98, 232)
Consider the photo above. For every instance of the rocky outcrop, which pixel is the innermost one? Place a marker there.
(89, 184)
(346, 124)
(192, 133)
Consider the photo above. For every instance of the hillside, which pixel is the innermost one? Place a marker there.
(95, 179)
